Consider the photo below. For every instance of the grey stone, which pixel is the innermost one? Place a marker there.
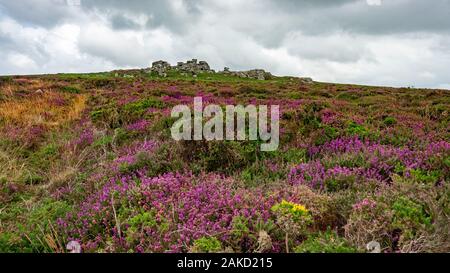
(193, 66)
(306, 80)
(161, 68)
(258, 74)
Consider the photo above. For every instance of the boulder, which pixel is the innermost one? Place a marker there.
(257, 74)
(193, 67)
(305, 80)
(161, 68)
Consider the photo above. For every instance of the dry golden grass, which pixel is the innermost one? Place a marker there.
(11, 167)
(41, 109)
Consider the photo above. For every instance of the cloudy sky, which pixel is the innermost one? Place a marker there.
(377, 42)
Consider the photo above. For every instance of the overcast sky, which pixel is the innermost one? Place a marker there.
(376, 42)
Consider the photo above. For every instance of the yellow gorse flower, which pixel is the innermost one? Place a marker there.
(295, 208)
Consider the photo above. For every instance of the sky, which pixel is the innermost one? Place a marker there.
(373, 42)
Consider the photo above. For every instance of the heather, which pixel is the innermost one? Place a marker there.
(89, 158)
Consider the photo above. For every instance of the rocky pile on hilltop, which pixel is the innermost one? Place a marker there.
(194, 67)
(259, 74)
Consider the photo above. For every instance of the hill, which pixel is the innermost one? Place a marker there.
(90, 158)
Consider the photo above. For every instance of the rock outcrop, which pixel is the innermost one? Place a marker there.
(305, 80)
(160, 67)
(191, 67)
(194, 67)
(258, 74)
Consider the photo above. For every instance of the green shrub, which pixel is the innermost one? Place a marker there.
(121, 136)
(11, 243)
(206, 245)
(355, 129)
(260, 173)
(410, 216)
(328, 133)
(294, 155)
(348, 96)
(32, 236)
(221, 156)
(164, 160)
(339, 183)
(242, 237)
(389, 121)
(143, 220)
(70, 89)
(327, 242)
(5, 80)
(107, 114)
(163, 126)
(103, 141)
(425, 177)
(310, 118)
(138, 108)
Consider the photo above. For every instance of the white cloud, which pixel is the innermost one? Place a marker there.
(320, 39)
(20, 61)
(374, 2)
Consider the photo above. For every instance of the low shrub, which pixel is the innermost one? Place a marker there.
(325, 242)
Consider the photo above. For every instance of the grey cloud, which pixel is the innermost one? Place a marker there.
(339, 48)
(160, 13)
(326, 39)
(396, 16)
(121, 22)
(46, 13)
(295, 5)
(325, 17)
(10, 43)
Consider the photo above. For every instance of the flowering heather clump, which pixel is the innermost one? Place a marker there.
(86, 138)
(329, 116)
(365, 203)
(317, 176)
(370, 161)
(129, 154)
(139, 126)
(160, 214)
(127, 100)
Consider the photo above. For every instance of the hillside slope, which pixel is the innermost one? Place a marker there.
(89, 158)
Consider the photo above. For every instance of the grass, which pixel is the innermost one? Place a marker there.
(50, 109)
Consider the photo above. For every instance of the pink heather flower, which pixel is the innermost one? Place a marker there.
(329, 116)
(172, 88)
(127, 100)
(139, 126)
(365, 204)
(189, 207)
(86, 138)
(273, 167)
(128, 155)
